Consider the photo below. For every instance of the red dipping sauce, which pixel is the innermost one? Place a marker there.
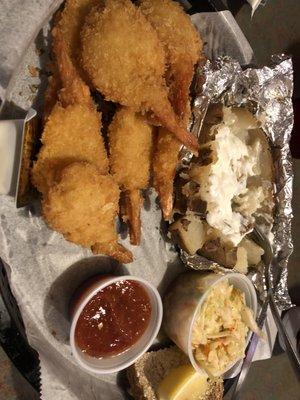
(113, 320)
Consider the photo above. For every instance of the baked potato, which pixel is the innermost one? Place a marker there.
(194, 235)
(226, 190)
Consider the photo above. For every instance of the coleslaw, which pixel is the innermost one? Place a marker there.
(220, 329)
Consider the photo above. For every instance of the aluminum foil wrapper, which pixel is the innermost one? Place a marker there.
(267, 93)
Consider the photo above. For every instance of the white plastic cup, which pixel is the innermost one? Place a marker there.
(116, 363)
(185, 299)
(10, 148)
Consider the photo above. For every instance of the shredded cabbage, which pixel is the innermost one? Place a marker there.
(220, 329)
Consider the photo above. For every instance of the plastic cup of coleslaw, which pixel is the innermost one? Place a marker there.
(184, 303)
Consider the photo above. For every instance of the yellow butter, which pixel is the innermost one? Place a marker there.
(183, 383)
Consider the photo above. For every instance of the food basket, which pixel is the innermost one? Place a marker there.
(30, 369)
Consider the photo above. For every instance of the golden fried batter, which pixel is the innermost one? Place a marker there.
(130, 144)
(183, 48)
(125, 61)
(72, 130)
(182, 45)
(51, 93)
(130, 148)
(74, 90)
(69, 24)
(165, 161)
(80, 198)
(54, 83)
(83, 207)
(71, 134)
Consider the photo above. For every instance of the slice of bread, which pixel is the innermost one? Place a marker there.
(146, 374)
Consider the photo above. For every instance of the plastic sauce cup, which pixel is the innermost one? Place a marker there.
(107, 365)
(184, 300)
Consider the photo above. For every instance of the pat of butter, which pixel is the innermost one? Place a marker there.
(10, 148)
(183, 383)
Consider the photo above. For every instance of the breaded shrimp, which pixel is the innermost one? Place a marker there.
(132, 203)
(165, 161)
(72, 131)
(54, 83)
(182, 45)
(183, 48)
(83, 206)
(125, 61)
(130, 147)
(80, 198)
(51, 93)
(69, 23)
(74, 90)
(71, 134)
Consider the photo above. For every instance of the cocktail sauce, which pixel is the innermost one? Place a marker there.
(113, 320)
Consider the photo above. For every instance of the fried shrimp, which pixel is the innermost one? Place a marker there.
(80, 198)
(54, 83)
(165, 161)
(175, 30)
(71, 134)
(133, 202)
(83, 206)
(74, 90)
(69, 25)
(182, 45)
(51, 93)
(72, 130)
(126, 69)
(130, 147)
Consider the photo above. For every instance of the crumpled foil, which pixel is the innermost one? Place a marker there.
(267, 93)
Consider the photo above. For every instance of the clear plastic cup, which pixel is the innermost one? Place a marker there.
(115, 363)
(184, 300)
